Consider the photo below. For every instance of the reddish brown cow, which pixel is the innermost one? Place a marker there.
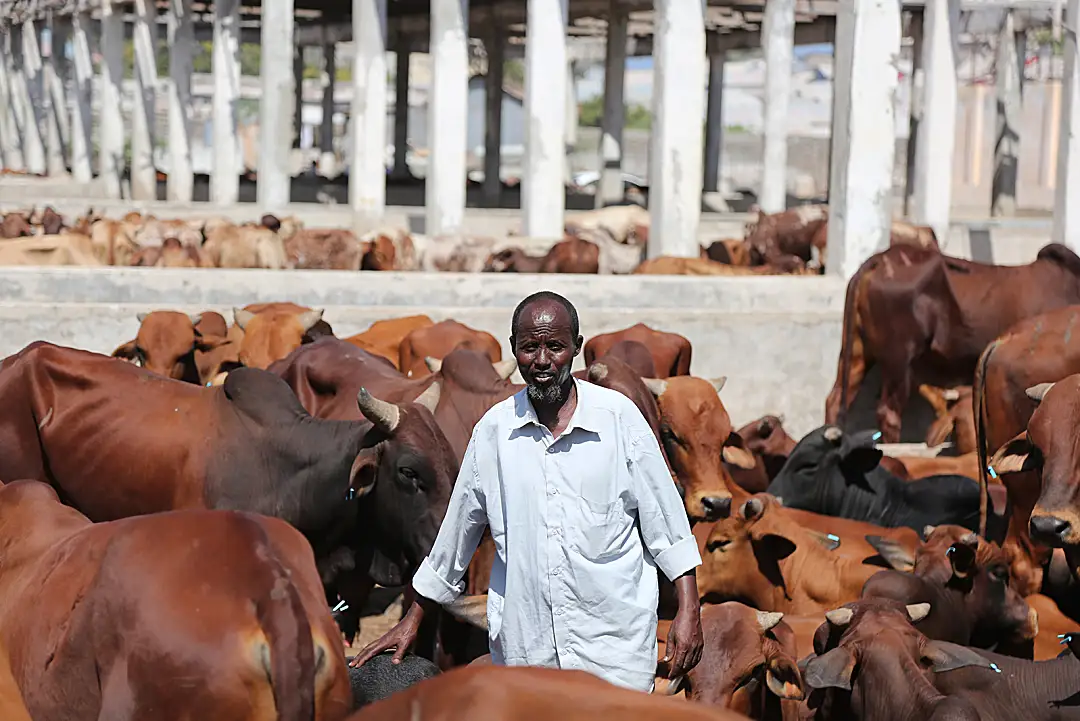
(731, 251)
(384, 337)
(380, 253)
(167, 343)
(670, 351)
(697, 437)
(11, 701)
(926, 317)
(671, 265)
(770, 444)
(789, 233)
(273, 330)
(51, 221)
(97, 618)
(15, 225)
(515, 693)
(436, 341)
(324, 249)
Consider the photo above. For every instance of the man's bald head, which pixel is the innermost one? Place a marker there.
(549, 298)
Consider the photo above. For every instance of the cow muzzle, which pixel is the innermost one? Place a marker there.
(1054, 529)
(716, 507)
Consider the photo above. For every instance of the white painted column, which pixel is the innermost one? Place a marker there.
(610, 188)
(111, 116)
(495, 44)
(1066, 227)
(676, 148)
(143, 172)
(864, 132)
(444, 192)
(54, 98)
(937, 129)
(367, 167)
(543, 189)
(571, 112)
(778, 37)
(275, 110)
(327, 160)
(82, 78)
(181, 179)
(401, 111)
(714, 122)
(226, 157)
(10, 143)
(915, 31)
(30, 99)
(1012, 48)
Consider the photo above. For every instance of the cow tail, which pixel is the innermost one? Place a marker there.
(846, 336)
(289, 661)
(979, 402)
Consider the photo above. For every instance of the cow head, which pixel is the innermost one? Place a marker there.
(819, 458)
(953, 416)
(748, 656)
(166, 344)
(696, 432)
(1049, 446)
(272, 334)
(403, 476)
(767, 439)
(870, 645)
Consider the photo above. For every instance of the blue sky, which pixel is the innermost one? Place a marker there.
(645, 62)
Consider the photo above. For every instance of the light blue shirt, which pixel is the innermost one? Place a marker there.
(580, 523)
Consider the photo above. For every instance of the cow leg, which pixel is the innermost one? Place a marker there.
(857, 368)
(896, 383)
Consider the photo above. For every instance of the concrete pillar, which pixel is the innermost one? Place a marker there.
(610, 188)
(275, 110)
(1066, 208)
(82, 78)
(226, 159)
(864, 140)
(778, 40)
(327, 159)
(714, 122)
(495, 44)
(1012, 48)
(111, 117)
(543, 189)
(677, 144)
(401, 111)
(298, 94)
(367, 167)
(937, 130)
(54, 96)
(30, 98)
(444, 192)
(915, 30)
(10, 143)
(143, 172)
(181, 182)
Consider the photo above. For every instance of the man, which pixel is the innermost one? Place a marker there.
(581, 506)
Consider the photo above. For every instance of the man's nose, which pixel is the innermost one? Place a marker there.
(543, 358)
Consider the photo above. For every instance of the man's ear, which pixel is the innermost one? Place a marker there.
(579, 343)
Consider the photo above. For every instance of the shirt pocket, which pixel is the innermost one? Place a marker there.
(602, 529)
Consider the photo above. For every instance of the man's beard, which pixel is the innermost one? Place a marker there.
(552, 394)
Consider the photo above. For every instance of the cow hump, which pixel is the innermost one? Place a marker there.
(262, 396)
(1063, 256)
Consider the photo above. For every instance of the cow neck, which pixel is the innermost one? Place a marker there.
(28, 532)
(879, 680)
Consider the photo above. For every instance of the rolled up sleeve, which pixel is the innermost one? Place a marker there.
(440, 575)
(661, 513)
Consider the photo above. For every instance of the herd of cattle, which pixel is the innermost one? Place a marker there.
(188, 527)
(608, 240)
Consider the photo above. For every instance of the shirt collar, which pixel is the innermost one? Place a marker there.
(584, 416)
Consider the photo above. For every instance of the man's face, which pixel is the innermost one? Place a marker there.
(545, 348)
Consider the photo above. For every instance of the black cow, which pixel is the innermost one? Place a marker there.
(837, 474)
(379, 678)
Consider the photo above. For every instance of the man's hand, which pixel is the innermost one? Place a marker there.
(401, 637)
(685, 641)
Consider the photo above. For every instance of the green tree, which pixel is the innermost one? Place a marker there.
(250, 58)
(591, 114)
(514, 72)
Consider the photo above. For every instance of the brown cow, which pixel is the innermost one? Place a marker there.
(486, 692)
(776, 237)
(384, 337)
(436, 341)
(15, 225)
(670, 265)
(571, 255)
(926, 317)
(670, 351)
(324, 249)
(760, 557)
(380, 253)
(11, 701)
(113, 241)
(51, 221)
(167, 343)
(170, 254)
(232, 246)
(273, 330)
(732, 251)
(771, 446)
(101, 619)
(697, 437)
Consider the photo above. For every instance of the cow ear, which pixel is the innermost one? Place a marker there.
(365, 470)
(126, 351)
(940, 430)
(735, 452)
(833, 670)
(1015, 456)
(861, 459)
(783, 679)
(949, 656)
(242, 317)
(773, 546)
(962, 559)
(894, 554)
(209, 342)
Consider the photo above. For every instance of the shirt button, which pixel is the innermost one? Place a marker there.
(555, 572)
(554, 491)
(551, 449)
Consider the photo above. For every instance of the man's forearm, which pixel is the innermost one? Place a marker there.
(686, 591)
(421, 607)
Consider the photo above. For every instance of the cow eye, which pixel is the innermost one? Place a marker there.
(408, 474)
(668, 435)
(717, 545)
(999, 573)
(139, 358)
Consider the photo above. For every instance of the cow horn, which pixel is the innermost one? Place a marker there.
(768, 620)
(385, 416)
(718, 383)
(950, 394)
(675, 685)
(195, 319)
(471, 609)
(430, 397)
(656, 386)
(308, 319)
(927, 530)
(918, 611)
(970, 539)
(141, 316)
(781, 418)
(505, 368)
(241, 317)
(833, 434)
(839, 617)
(1037, 393)
(433, 364)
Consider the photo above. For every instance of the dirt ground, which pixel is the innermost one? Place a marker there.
(376, 624)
